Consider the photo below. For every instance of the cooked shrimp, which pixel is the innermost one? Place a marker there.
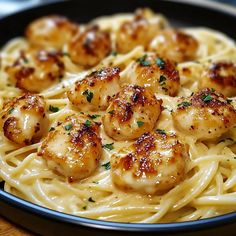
(95, 90)
(138, 31)
(90, 47)
(51, 32)
(24, 120)
(133, 111)
(155, 163)
(221, 76)
(155, 72)
(204, 115)
(175, 45)
(74, 148)
(36, 71)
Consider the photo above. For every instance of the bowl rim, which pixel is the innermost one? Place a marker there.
(42, 211)
(110, 225)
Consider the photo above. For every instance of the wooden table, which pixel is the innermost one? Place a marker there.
(9, 229)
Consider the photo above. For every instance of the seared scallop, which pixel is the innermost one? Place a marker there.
(157, 73)
(133, 111)
(155, 163)
(221, 76)
(88, 48)
(204, 115)
(73, 149)
(51, 32)
(138, 31)
(94, 92)
(175, 45)
(24, 119)
(35, 71)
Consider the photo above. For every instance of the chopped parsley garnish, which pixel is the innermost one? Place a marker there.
(53, 109)
(160, 131)
(114, 53)
(107, 166)
(229, 101)
(162, 80)
(184, 104)
(88, 94)
(25, 60)
(91, 200)
(207, 98)
(87, 123)
(111, 112)
(11, 110)
(142, 61)
(168, 109)
(95, 182)
(51, 129)
(234, 157)
(66, 54)
(160, 63)
(84, 207)
(213, 90)
(108, 146)
(140, 123)
(93, 116)
(68, 127)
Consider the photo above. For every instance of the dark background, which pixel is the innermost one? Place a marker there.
(10, 6)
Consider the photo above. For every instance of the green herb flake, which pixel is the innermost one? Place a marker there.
(95, 182)
(93, 116)
(53, 109)
(66, 54)
(114, 53)
(207, 98)
(91, 199)
(160, 131)
(84, 207)
(51, 129)
(107, 165)
(140, 123)
(87, 123)
(68, 127)
(108, 146)
(142, 61)
(234, 158)
(11, 110)
(160, 62)
(26, 61)
(88, 94)
(162, 79)
(184, 104)
(168, 109)
(213, 90)
(229, 101)
(111, 112)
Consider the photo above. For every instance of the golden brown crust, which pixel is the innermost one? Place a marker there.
(35, 71)
(24, 119)
(221, 76)
(131, 112)
(55, 31)
(90, 47)
(204, 115)
(157, 73)
(138, 31)
(175, 45)
(81, 150)
(155, 158)
(95, 90)
(106, 74)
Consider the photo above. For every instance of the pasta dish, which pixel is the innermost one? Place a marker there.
(123, 119)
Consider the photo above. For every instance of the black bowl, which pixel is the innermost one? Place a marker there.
(181, 13)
